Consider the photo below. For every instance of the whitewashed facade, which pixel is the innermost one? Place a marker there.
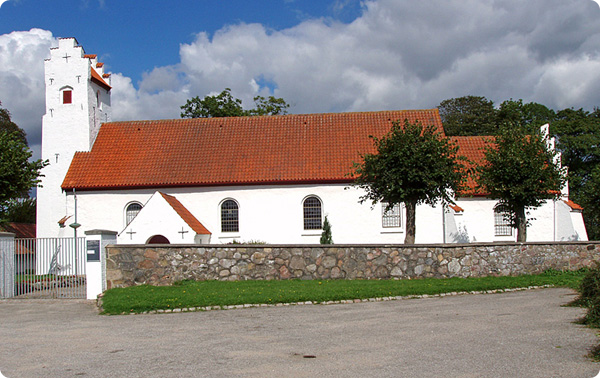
(77, 103)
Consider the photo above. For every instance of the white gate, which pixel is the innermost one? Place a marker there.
(43, 268)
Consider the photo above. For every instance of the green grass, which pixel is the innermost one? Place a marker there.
(188, 294)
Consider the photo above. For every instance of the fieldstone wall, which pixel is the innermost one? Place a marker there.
(128, 265)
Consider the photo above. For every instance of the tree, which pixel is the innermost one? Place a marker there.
(530, 116)
(521, 173)
(9, 126)
(326, 237)
(270, 106)
(589, 198)
(21, 210)
(414, 164)
(17, 174)
(468, 115)
(578, 138)
(225, 105)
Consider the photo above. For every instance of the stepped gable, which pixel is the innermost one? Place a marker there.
(288, 149)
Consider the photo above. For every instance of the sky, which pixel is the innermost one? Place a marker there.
(319, 55)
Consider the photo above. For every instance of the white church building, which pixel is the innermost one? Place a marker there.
(269, 179)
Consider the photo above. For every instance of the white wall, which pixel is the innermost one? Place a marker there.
(266, 213)
(275, 215)
(66, 128)
(552, 221)
(159, 218)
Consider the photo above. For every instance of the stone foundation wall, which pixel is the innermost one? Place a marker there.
(128, 265)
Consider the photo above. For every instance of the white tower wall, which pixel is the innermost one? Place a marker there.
(68, 127)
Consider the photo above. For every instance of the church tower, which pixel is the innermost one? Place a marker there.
(77, 103)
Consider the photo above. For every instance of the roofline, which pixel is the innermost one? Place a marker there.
(212, 184)
(275, 116)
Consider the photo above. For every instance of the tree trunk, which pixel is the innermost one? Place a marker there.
(411, 208)
(521, 221)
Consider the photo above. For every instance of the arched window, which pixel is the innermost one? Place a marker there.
(502, 225)
(312, 213)
(391, 217)
(230, 221)
(132, 210)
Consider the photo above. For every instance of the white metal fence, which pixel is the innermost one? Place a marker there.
(43, 268)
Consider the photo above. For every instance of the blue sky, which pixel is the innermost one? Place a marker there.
(320, 56)
(134, 36)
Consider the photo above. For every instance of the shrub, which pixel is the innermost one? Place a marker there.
(326, 237)
(590, 287)
(592, 317)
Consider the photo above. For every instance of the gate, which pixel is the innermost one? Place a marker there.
(43, 268)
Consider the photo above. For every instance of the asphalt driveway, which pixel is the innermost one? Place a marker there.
(518, 334)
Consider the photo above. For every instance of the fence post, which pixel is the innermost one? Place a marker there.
(96, 242)
(7, 265)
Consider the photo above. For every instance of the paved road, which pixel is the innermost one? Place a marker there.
(519, 334)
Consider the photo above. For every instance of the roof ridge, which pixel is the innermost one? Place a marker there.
(277, 116)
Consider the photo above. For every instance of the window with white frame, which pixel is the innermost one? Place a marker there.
(131, 212)
(312, 213)
(230, 216)
(391, 217)
(502, 225)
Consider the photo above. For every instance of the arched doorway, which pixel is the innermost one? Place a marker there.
(158, 239)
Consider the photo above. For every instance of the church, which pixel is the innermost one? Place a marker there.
(263, 179)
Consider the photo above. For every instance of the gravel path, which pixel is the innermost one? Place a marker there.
(517, 334)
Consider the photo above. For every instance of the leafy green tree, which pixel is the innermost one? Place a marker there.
(589, 198)
(21, 210)
(221, 105)
(17, 174)
(521, 173)
(326, 236)
(414, 164)
(9, 126)
(225, 105)
(468, 115)
(269, 106)
(578, 138)
(530, 115)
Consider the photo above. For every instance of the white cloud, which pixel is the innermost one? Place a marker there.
(22, 88)
(396, 55)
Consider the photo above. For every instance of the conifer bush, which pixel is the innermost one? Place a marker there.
(326, 237)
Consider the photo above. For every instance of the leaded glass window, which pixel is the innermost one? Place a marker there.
(312, 213)
(391, 217)
(230, 216)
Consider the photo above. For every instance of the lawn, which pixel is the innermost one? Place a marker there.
(191, 294)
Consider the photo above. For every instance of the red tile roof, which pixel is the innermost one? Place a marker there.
(573, 205)
(457, 209)
(185, 214)
(21, 230)
(310, 148)
(99, 65)
(90, 56)
(473, 148)
(99, 80)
